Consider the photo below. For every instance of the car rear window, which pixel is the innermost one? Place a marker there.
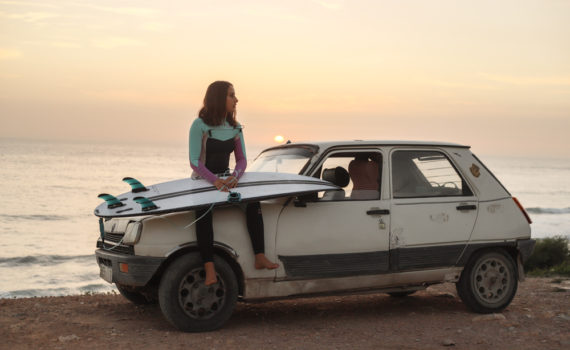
(426, 174)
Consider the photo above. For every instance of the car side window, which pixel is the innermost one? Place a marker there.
(425, 174)
(358, 175)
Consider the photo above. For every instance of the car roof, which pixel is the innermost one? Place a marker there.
(329, 144)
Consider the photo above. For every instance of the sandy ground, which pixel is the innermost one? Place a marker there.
(538, 318)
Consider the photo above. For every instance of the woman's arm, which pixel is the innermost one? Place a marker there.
(197, 131)
(239, 152)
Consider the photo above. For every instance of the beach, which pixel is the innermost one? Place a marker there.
(538, 317)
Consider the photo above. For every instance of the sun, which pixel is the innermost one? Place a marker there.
(278, 139)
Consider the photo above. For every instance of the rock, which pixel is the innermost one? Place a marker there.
(445, 295)
(448, 342)
(489, 317)
(64, 339)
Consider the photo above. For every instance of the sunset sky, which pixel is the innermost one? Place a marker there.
(492, 74)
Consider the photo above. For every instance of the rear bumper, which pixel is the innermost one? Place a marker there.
(140, 268)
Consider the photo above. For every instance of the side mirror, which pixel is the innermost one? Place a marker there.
(301, 201)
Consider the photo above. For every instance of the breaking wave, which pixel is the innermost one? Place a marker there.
(44, 260)
(34, 217)
(93, 288)
(538, 210)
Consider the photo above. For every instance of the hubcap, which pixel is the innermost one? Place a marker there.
(492, 280)
(198, 300)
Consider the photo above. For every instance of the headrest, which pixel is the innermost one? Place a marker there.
(338, 176)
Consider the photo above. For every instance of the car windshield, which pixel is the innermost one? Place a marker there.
(289, 160)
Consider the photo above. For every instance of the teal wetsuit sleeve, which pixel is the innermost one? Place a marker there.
(195, 141)
(197, 131)
(239, 152)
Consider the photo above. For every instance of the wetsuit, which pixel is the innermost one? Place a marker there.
(210, 149)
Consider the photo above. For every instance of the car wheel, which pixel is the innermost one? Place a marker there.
(488, 282)
(133, 296)
(401, 294)
(192, 306)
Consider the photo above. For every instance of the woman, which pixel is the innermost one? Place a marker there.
(214, 135)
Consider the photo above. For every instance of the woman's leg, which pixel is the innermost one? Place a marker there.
(205, 238)
(254, 220)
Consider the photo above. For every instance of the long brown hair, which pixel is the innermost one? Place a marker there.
(214, 110)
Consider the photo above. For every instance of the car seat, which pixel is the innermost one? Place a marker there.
(338, 176)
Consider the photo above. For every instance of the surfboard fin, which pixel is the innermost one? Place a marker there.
(112, 201)
(136, 186)
(146, 204)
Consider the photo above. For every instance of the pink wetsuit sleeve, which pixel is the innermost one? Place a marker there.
(204, 172)
(241, 161)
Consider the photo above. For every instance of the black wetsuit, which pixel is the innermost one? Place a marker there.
(217, 156)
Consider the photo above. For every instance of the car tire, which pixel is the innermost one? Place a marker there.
(401, 294)
(134, 297)
(489, 281)
(190, 305)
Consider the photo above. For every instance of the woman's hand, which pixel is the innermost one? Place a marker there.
(221, 185)
(231, 181)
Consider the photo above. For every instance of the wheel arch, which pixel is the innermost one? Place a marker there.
(220, 249)
(474, 249)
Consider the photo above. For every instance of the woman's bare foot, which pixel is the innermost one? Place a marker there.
(261, 262)
(210, 274)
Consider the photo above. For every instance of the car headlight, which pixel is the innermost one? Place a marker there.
(132, 233)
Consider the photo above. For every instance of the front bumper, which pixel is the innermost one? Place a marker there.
(140, 268)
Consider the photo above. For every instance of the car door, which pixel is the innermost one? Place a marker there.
(338, 233)
(433, 210)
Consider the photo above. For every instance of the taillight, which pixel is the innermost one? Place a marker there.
(523, 211)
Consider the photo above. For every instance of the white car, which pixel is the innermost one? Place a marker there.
(409, 215)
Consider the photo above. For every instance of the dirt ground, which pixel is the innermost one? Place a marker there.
(538, 318)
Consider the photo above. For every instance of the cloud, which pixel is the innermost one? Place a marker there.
(32, 17)
(27, 3)
(131, 11)
(115, 42)
(7, 76)
(9, 54)
(527, 81)
(64, 44)
(158, 27)
(330, 4)
(139, 97)
(454, 85)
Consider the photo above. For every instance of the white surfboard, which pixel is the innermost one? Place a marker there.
(187, 194)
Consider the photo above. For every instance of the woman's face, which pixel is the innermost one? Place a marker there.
(231, 100)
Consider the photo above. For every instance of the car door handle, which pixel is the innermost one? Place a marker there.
(378, 212)
(466, 207)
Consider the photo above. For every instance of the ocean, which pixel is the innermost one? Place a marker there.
(49, 190)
